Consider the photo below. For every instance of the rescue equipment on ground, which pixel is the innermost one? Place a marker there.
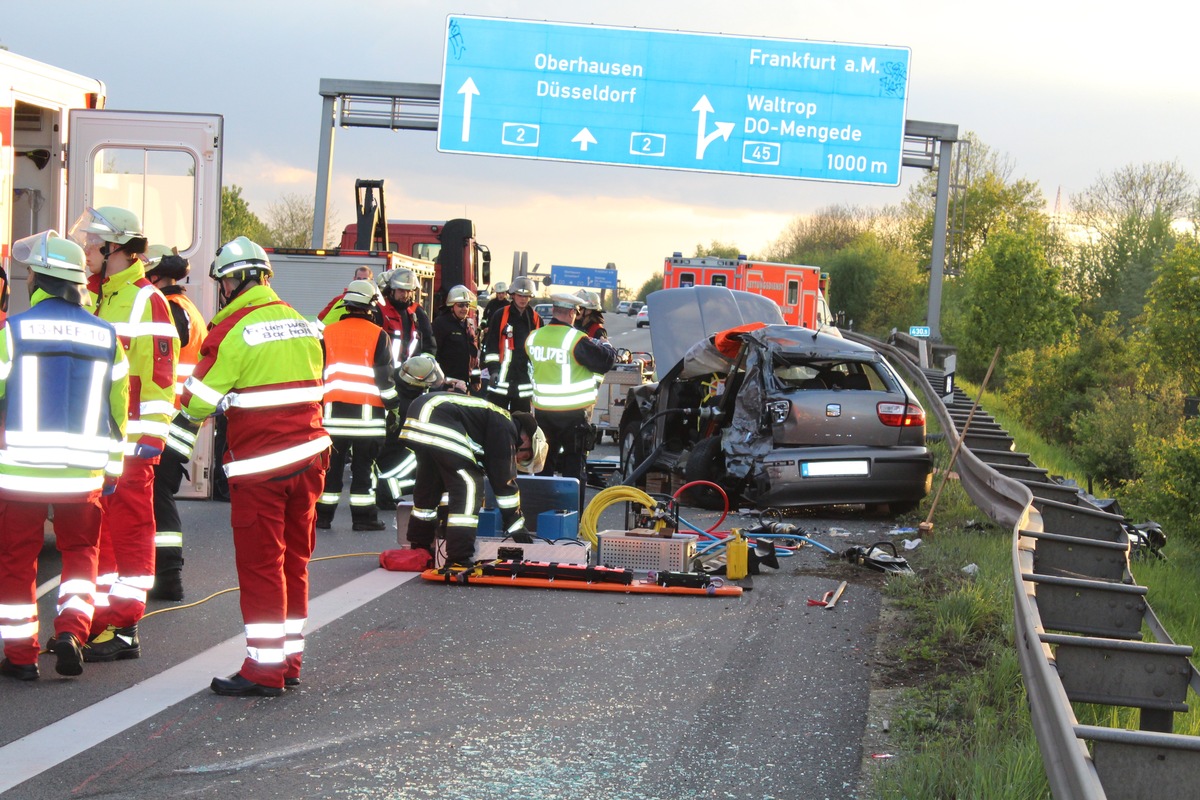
(544, 575)
(876, 557)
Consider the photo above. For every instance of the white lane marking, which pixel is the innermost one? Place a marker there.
(44, 749)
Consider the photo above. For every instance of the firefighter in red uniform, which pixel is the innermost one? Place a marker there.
(510, 386)
(457, 440)
(63, 380)
(261, 366)
(165, 268)
(113, 241)
(358, 388)
(407, 323)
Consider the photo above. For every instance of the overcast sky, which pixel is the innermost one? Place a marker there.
(1068, 90)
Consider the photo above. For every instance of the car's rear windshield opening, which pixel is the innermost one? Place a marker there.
(826, 375)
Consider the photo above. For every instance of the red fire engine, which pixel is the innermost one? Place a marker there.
(798, 289)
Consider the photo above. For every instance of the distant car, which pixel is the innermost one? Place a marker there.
(545, 311)
(777, 415)
(634, 307)
(643, 317)
(623, 307)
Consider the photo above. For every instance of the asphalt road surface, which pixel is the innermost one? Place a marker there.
(414, 689)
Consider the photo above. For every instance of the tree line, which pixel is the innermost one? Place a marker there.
(1096, 307)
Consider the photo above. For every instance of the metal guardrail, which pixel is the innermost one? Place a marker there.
(1078, 615)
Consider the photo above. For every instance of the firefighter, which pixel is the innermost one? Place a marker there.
(454, 333)
(564, 364)
(261, 366)
(458, 439)
(407, 323)
(358, 389)
(165, 268)
(411, 332)
(334, 310)
(590, 319)
(504, 349)
(63, 379)
(497, 301)
(113, 242)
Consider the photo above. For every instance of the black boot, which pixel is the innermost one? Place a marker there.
(168, 574)
(367, 519)
(325, 517)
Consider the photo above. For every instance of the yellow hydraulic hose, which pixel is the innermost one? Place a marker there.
(606, 498)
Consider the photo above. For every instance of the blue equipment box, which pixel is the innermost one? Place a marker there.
(489, 522)
(558, 524)
(540, 494)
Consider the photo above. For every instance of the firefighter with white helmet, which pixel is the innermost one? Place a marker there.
(455, 335)
(261, 367)
(73, 390)
(458, 440)
(114, 244)
(564, 365)
(335, 309)
(165, 268)
(504, 348)
(497, 301)
(590, 318)
(359, 388)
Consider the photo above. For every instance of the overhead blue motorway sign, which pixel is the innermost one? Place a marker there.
(782, 108)
(584, 277)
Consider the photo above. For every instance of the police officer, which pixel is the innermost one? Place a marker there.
(454, 333)
(261, 366)
(165, 268)
(358, 388)
(564, 363)
(504, 349)
(63, 379)
(112, 240)
(458, 439)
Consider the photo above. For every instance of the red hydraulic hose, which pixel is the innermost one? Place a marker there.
(724, 497)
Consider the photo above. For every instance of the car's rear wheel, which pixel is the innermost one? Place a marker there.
(707, 463)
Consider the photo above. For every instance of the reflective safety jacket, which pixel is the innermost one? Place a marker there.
(64, 392)
(411, 332)
(564, 363)
(142, 318)
(261, 365)
(358, 378)
(504, 349)
(189, 349)
(475, 430)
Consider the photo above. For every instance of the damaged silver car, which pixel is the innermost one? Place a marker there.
(777, 415)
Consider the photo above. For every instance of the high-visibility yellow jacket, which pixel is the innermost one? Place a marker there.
(261, 365)
(143, 321)
(64, 392)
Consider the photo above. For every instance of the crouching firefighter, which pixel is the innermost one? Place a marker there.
(458, 439)
(261, 366)
(358, 389)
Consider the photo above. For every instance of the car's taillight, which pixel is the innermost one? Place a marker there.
(901, 415)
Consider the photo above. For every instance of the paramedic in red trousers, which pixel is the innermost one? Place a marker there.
(165, 268)
(113, 242)
(564, 363)
(504, 349)
(359, 387)
(458, 439)
(261, 366)
(63, 380)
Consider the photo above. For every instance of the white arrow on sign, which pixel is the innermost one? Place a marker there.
(468, 91)
(584, 138)
(723, 128)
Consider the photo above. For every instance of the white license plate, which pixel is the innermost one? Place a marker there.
(832, 469)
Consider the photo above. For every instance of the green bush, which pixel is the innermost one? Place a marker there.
(1168, 490)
